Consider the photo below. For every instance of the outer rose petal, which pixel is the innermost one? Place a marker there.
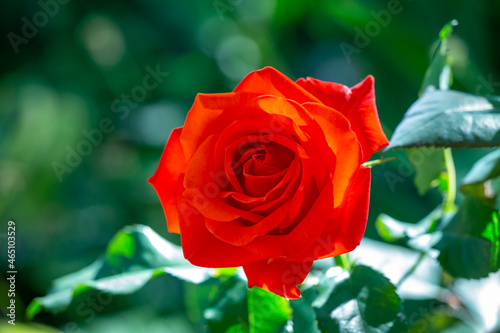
(269, 81)
(278, 276)
(345, 233)
(164, 180)
(357, 104)
(343, 141)
(202, 248)
(211, 113)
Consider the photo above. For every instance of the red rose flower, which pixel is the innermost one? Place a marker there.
(270, 176)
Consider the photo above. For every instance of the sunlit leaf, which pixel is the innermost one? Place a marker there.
(135, 256)
(392, 230)
(229, 308)
(439, 73)
(448, 119)
(304, 316)
(360, 301)
(267, 312)
(483, 180)
(464, 251)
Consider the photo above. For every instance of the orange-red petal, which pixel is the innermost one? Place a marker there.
(344, 233)
(343, 141)
(269, 81)
(164, 180)
(202, 189)
(357, 104)
(278, 276)
(302, 236)
(201, 247)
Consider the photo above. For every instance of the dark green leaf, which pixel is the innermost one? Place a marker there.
(362, 301)
(483, 180)
(429, 164)
(492, 233)
(392, 230)
(439, 73)
(135, 256)
(303, 316)
(448, 119)
(267, 312)
(229, 309)
(464, 251)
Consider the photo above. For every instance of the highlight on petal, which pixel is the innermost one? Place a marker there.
(343, 141)
(210, 114)
(278, 276)
(344, 233)
(357, 105)
(269, 81)
(172, 165)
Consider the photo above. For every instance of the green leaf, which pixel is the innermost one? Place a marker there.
(135, 256)
(267, 312)
(492, 233)
(360, 301)
(464, 251)
(303, 315)
(483, 180)
(229, 309)
(429, 164)
(438, 73)
(392, 230)
(448, 119)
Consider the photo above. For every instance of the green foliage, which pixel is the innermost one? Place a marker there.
(464, 249)
(428, 169)
(392, 230)
(134, 257)
(362, 300)
(483, 180)
(448, 119)
(267, 312)
(438, 73)
(303, 315)
(229, 308)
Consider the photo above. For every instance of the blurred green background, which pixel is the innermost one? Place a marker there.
(74, 78)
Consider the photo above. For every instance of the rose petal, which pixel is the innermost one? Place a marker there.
(357, 104)
(343, 142)
(211, 114)
(202, 189)
(164, 180)
(354, 216)
(259, 186)
(201, 247)
(302, 236)
(344, 234)
(238, 233)
(307, 131)
(278, 276)
(269, 81)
